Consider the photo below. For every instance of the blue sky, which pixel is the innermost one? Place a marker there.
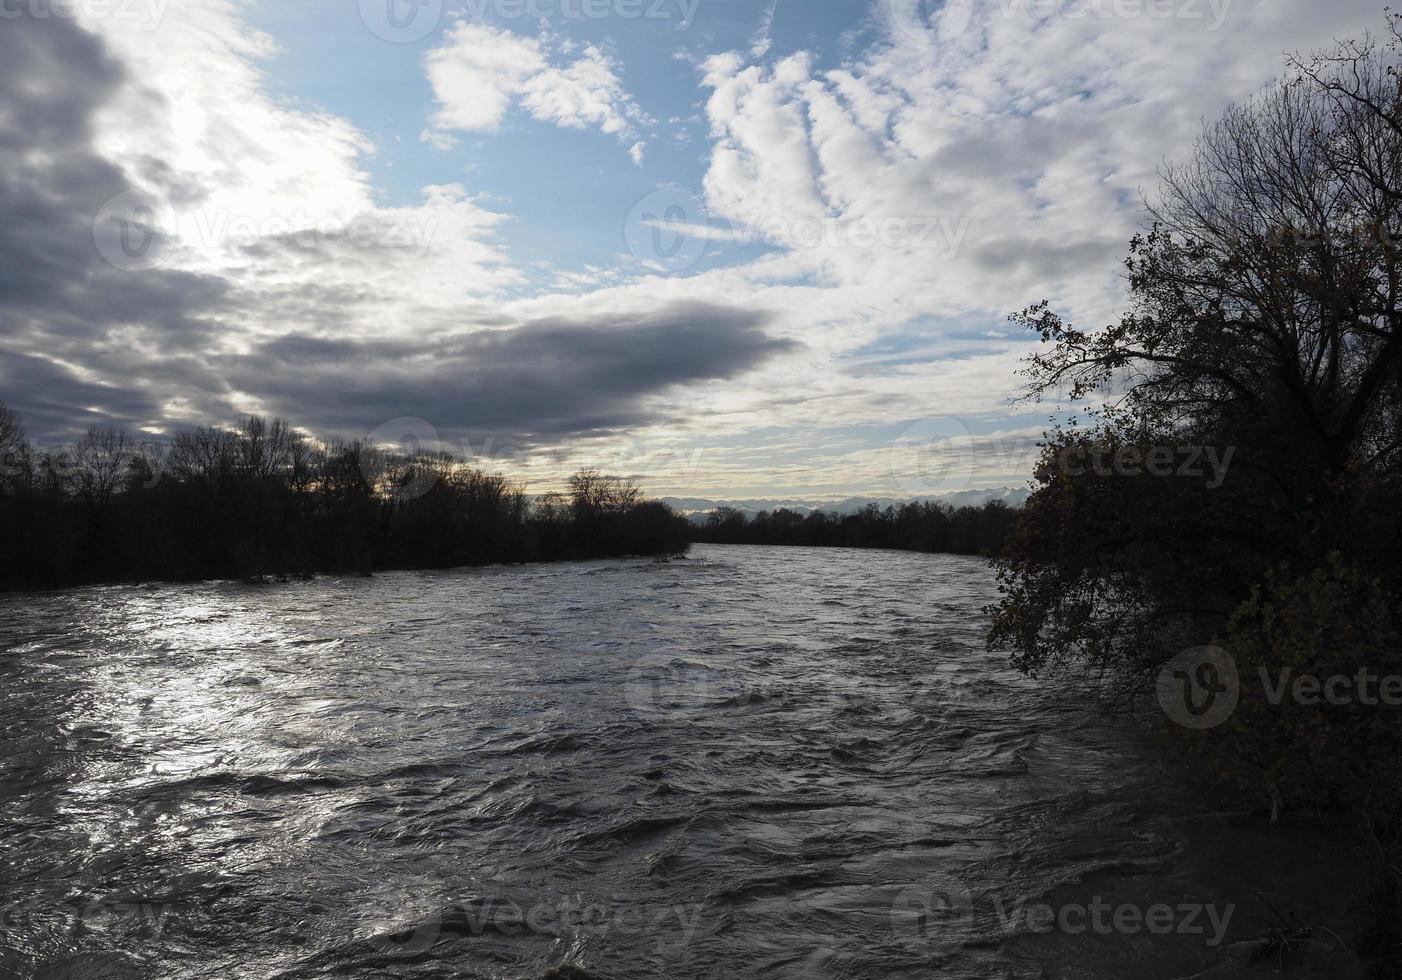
(565, 188)
(769, 250)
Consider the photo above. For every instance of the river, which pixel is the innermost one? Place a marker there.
(757, 762)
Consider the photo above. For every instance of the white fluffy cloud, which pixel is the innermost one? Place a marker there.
(274, 196)
(1032, 127)
(1004, 147)
(479, 72)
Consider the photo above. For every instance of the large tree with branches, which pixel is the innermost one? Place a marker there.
(1266, 321)
(1265, 328)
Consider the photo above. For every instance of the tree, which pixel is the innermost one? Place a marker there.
(592, 493)
(914, 526)
(1265, 327)
(99, 462)
(1266, 319)
(262, 499)
(12, 461)
(11, 431)
(725, 524)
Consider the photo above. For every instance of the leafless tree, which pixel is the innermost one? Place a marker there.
(11, 444)
(594, 493)
(100, 462)
(205, 457)
(270, 448)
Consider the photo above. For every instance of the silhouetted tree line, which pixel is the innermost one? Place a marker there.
(914, 526)
(1266, 321)
(263, 500)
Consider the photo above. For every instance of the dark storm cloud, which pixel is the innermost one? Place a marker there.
(542, 381)
(60, 302)
(53, 400)
(84, 340)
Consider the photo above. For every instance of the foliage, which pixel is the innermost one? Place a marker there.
(915, 526)
(1319, 720)
(1265, 321)
(1339, 628)
(262, 499)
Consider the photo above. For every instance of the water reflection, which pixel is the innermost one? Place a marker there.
(794, 763)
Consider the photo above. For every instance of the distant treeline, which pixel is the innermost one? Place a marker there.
(916, 526)
(263, 500)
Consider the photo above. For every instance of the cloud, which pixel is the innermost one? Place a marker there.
(1037, 125)
(337, 313)
(635, 153)
(275, 280)
(533, 383)
(763, 38)
(479, 72)
(294, 293)
(63, 309)
(586, 92)
(1028, 129)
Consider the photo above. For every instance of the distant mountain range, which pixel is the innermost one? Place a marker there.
(696, 508)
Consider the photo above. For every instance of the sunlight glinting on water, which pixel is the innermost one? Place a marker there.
(623, 768)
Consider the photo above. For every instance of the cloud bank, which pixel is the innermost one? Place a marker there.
(181, 246)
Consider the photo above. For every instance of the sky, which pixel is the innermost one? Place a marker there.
(730, 249)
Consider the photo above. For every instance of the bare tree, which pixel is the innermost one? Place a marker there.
(11, 444)
(11, 431)
(551, 508)
(267, 449)
(205, 457)
(100, 461)
(594, 493)
(1266, 317)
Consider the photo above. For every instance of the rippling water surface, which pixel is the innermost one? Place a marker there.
(758, 762)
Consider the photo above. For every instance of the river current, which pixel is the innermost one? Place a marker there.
(756, 762)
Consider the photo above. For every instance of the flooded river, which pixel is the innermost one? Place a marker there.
(757, 762)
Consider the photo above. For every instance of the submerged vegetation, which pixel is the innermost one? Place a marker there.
(263, 500)
(915, 526)
(1266, 322)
